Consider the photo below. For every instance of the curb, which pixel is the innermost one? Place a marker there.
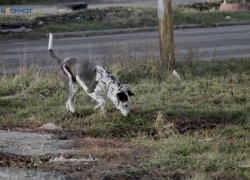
(143, 29)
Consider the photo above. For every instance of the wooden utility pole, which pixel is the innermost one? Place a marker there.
(166, 33)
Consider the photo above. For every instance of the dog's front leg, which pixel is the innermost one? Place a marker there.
(101, 102)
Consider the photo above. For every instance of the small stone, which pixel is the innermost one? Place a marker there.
(23, 29)
(110, 14)
(40, 23)
(50, 126)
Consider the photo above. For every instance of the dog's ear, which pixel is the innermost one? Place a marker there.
(130, 93)
(127, 86)
(122, 96)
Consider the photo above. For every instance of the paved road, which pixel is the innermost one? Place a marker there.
(52, 8)
(220, 43)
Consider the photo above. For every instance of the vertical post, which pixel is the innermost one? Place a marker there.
(166, 33)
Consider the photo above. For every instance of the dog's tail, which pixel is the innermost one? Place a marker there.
(52, 55)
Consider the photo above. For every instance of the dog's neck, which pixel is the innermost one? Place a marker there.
(114, 89)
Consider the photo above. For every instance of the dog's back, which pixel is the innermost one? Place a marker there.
(84, 69)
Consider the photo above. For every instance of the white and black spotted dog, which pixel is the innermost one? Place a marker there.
(96, 80)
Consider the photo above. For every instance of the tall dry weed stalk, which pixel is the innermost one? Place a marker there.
(132, 60)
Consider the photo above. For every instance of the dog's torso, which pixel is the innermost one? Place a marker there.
(93, 78)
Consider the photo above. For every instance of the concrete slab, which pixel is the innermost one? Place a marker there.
(22, 143)
(19, 174)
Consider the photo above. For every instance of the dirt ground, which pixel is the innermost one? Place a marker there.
(114, 156)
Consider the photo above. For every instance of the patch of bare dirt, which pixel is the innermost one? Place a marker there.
(227, 176)
(115, 159)
(9, 160)
(184, 124)
(206, 6)
(181, 175)
(203, 6)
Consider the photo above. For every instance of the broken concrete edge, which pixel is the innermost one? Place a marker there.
(143, 29)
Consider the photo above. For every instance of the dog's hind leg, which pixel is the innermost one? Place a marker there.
(71, 89)
(70, 93)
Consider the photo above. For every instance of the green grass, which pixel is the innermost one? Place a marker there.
(191, 153)
(173, 117)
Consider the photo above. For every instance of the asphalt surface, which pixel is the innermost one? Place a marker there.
(204, 44)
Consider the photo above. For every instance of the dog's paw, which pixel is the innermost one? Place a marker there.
(70, 108)
(96, 107)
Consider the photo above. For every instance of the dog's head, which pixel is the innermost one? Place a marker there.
(123, 101)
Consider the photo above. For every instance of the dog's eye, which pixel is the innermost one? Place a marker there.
(126, 105)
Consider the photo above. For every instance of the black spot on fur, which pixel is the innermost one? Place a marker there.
(122, 96)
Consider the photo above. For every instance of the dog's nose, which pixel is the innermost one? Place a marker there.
(128, 114)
